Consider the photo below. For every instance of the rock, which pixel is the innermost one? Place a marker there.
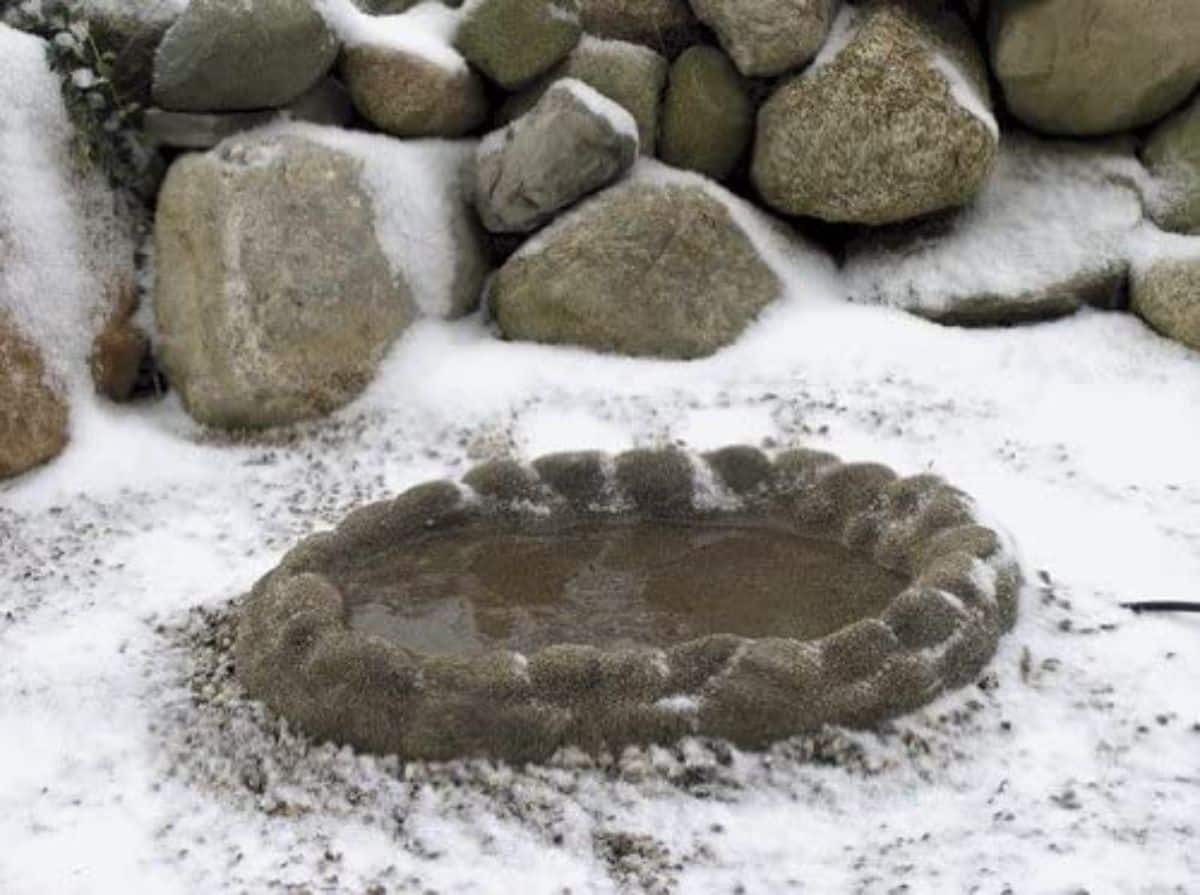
(1087, 67)
(33, 417)
(1166, 294)
(1172, 153)
(630, 75)
(768, 37)
(573, 142)
(327, 103)
(708, 116)
(408, 94)
(667, 26)
(1048, 234)
(514, 41)
(890, 122)
(275, 300)
(232, 56)
(645, 268)
(121, 348)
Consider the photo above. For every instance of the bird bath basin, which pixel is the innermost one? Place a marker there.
(600, 601)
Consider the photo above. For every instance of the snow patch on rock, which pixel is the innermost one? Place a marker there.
(427, 30)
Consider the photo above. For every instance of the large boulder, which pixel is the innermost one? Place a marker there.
(514, 41)
(630, 75)
(1166, 294)
(666, 26)
(1172, 154)
(66, 262)
(1048, 234)
(769, 37)
(289, 260)
(573, 142)
(228, 55)
(655, 266)
(1086, 67)
(33, 413)
(890, 122)
(708, 115)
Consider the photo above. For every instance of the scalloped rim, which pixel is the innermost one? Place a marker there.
(296, 652)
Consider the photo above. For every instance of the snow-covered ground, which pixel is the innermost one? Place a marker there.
(127, 764)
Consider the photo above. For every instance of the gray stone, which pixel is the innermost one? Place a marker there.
(565, 147)
(1087, 67)
(891, 124)
(768, 37)
(642, 269)
(33, 415)
(274, 299)
(708, 115)
(1166, 294)
(1172, 153)
(630, 75)
(514, 41)
(407, 95)
(666, 26)
(231, 56)
(326, 103)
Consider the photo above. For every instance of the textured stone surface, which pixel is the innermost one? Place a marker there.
(708, 116)
(274, 299)
(1172, 152)
(572, 143)
(641, 269)
(1166, 295)
(296, 651)
(514, 41)
(229, 56)
(630, 75)
(667, 26)
(407, 95)
(879, 131)
(326, 103)
(768, 37)
(33, 416)
(1084, 67)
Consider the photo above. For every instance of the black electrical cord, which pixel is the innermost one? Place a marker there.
(1162, 606)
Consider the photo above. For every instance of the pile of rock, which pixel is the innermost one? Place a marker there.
(521, 133)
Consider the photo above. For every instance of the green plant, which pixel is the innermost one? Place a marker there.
(108, 132)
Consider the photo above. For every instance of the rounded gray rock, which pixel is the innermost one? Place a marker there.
(765, 38)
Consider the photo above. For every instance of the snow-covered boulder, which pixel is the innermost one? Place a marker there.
(659, 265)
(66, 261)
(573, 142)
(403, 74)
(1172, 153)
(708, 115)
(667, 26)
(1086, 67)
(1048, 234)
(229, 55)
(514, 41)
(630, 75)
(289, 259)
(769, 37)
(1166, 294)
(890, 122)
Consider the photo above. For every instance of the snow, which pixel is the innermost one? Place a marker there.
(614, 113)
(1050, 211)
(416, 188)
(426, 30)
(62, 233)
(1079, 435)
(965, 92)
(845, 26)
